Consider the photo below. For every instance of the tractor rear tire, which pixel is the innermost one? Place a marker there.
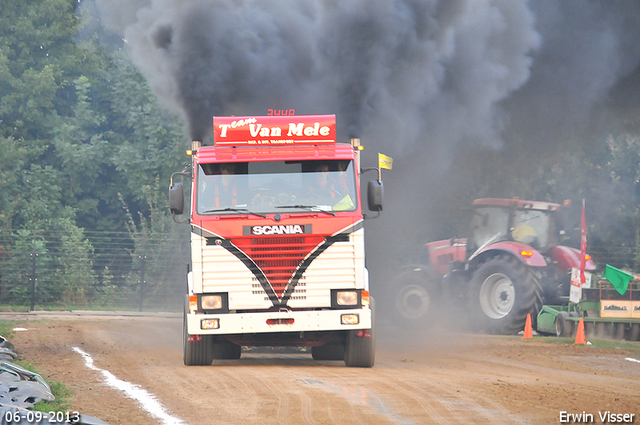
(416, 299)
(563, 326)
(360, 351)
(503, 291)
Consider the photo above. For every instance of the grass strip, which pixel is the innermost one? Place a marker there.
(63, 395)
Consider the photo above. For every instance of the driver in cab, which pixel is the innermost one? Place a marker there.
(223, 190)
(324, 186)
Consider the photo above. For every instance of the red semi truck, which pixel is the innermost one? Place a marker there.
(277, 242)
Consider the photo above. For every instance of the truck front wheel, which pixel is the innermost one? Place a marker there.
(504, 290)
(360, 351)
(196, 353)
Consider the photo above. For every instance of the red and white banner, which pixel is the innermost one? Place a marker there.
(274, 130)
(580, 279)
(583, 247)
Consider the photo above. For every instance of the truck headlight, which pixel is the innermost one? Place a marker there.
(349, 319)
(347, 298)
(210, 324)
(211, 302)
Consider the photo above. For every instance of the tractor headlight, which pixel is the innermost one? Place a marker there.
(211, 302)
(344, 298)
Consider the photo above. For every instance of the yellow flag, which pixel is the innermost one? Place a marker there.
(385, 161)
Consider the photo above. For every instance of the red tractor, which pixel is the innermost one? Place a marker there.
(510, 265)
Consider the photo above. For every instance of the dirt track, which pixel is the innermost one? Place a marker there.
(434, 379)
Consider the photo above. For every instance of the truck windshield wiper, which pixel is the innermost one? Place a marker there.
(241, 210)
(313, 208)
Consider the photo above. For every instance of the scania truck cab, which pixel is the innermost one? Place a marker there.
(277, 242)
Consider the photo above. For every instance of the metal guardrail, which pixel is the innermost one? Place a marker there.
(99, 270)
(121, 270)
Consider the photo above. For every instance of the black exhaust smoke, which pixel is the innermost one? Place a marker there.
(398, 72)
(406, 74)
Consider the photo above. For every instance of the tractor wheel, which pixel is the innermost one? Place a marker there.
(360, 351)
(328, 352)
(563, 326)
(635, 332)
(196, 353)
(504, 290)
(417, 296)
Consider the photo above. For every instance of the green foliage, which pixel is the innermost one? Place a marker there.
(37, 57)
(12, 160)
(74, 269)
(154, 241)
(79, 127)
(63, 402)
(150, 138)
(6, 328)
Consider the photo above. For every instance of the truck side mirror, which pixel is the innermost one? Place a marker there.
(176, 198)
(375, 192)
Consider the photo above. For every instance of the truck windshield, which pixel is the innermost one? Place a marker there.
(276, 187)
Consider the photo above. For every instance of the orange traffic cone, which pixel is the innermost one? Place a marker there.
(580, 338)
(528, 332)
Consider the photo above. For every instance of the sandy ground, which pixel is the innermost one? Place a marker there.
(434, 378)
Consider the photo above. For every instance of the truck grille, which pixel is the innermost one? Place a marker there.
(278, 257)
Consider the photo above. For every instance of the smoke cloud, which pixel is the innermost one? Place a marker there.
(404, 72)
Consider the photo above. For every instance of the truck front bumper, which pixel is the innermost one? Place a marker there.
(279, 321)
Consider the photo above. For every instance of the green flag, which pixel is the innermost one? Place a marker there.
(618, 278)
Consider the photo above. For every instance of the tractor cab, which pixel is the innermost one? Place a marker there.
(535, 224)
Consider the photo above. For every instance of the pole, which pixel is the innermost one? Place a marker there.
(141, 281)
(33, 281)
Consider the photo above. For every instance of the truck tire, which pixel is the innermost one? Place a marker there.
(223, 350)
(360, 351)
(563, 326)
(196, 353)
(503, 291)
(328, 352)
(416, 298)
